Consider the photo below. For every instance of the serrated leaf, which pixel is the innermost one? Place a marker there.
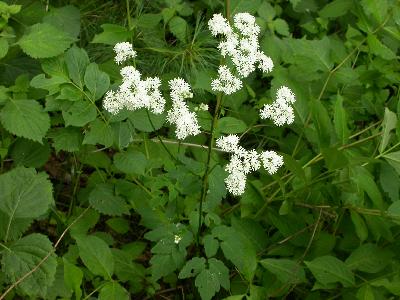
(141, 121)
(178, 27)
(24, 194)
(67, 139)
(393, 158)
(99, 133)
(377, 9)
(16, 229)
(390, 181)
(359, 225)
(210, 280)
(211, 245)
(125, 269)
(25, 254)
(281, 27)
(329, 269)
(44, 40)
(286, 270)
(340, 121)
(131, 162)
(322, 123)
(389, 123)
(112, 34)
(378, 48)
(79, 113)
(76, 60)
(96, 81)
(394, 211)
(104, 200)
(113, 291)
(51, 84)
(25, 118)
(369, 258)
(336, 9)
(66, 18)
(30, 154)
(365, 181)
(96, 255)
(73, 278)
(3, 47)
(192, 267)
(231, 125)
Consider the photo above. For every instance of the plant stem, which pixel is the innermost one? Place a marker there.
(128, 15)
(5, 247)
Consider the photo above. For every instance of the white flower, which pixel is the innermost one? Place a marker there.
(219, 25)
(177, 239)
(236, 183)
(203, 106)
(228, 143)
(185, 121)
(123, 51)
(246, 24)
(280, 111)
(226, 82)
(265, 63)
(271, 161)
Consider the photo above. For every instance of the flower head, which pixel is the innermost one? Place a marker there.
(280, 111)
(123, 51)
(226, 82)
(219, 25)
(271, 161)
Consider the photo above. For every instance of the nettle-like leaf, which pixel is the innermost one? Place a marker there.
(25, 195)
(104, 200)
(73, 278)
(96, 255)
(113, 291)
(76, 60)
(45, 40)
(286, 270)
(99, 133)
(25, 118)
(67, 139)
(369, 258)
(23, 256)
(208, 280)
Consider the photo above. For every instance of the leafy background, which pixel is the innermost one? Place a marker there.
(100, 206)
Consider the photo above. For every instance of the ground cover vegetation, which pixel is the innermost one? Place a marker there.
(202, 149)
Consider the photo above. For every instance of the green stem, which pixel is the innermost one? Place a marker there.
(128, 15)
(5, 247)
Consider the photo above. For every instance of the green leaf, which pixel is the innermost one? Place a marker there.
(70, 93)
(359, 225)
(379, 49)
(210, 280)
(67, 139)
(119, 225)
(336, 9)
(389, 123)
(231, 125)
(125, 269)
(122, 134)
(394, 211)
(66, 19)
(131, 162)
(99, 133)
(96, 255)
(52, 84)
(178, 27)
(369, 258)
(266, 11)
(211, 245)
(112, 34)
(24, 194)
(30, 154)
(365, 293)
(141, 121)
(238, 249)
(192, 267)
(73, 278)
(76, 60)
(286, 270)
(377, 9)
(322, 123)
(281, 27)
(44, 40)
(3, 47)
(393, 158)
(25, 255)
(96, 81)
(104, 200)
(365, 181)
(25, 118)
(79, 113)
(390, 181)
(113, 291)
(340, 121)
(329, 269)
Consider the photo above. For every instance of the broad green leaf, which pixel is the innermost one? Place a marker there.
(393, 158)
(336, 9)
(25, 118)
(394, 211)
(3, 47)
(79, 113)
(44, 40)
(119, 225)
(286, 270)
(378, 48)
(30, 154)
(99, 133)
(389, 123)
(125, 268)
(365, 293)
(141, 122)
(390, 181)
(392, 286)
(231, 125)
(131, 162)
(67, 139)
(104, 200)
(369, 258)
(295, 167)
(96, 255)
(192, 267)
(76, 60)
(52, 84)
(14, 229)
(209, 281)
(329, 269)
(122, 134)
(65, 18)
(73, 278)
(96, 81)
(70, 92)
(25, 255)
(365, 181)
(340, 121)
(164, 264)
(281, 27)
(178, 27)
(359, 225)
(113, 291)
(148, 20)
(266, 11)
(237, 249)
(238, 6)
(211, 245)
(322, 123)
(112, 34)
(24, 194)
(377, 9)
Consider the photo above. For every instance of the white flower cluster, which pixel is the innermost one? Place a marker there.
(185, 121)
(123, 51)
(280, 111)
(245, 161)
(135, 93)
(240, 44)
